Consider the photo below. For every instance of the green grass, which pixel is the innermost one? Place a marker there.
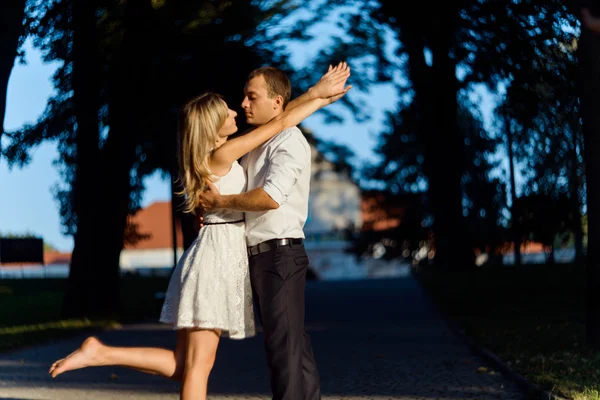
(533, 317)
(30, 311)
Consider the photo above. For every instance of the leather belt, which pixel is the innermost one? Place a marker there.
(223, 222)
(272, 244)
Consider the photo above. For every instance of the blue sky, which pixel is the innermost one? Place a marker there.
(27, 204)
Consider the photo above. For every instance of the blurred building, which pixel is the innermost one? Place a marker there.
(52, 257)
(380, 212)
(334, 201)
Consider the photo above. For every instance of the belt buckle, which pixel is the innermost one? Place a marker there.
(256, 249)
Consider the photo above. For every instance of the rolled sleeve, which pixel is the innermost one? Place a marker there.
(286, 164)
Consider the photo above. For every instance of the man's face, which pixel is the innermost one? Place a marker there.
(257, 105)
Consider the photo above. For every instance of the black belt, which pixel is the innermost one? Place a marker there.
(222, 223)
(272, 244)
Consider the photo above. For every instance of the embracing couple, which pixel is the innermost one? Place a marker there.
(250, 245)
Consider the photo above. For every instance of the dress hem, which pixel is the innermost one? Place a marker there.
(224, 332)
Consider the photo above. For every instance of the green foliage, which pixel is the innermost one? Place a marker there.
(524, 48)
(25, 235)
(185, 48)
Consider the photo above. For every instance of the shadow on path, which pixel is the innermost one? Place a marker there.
(373, 339)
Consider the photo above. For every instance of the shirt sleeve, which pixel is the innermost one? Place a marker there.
(244, 161)
(286, 163)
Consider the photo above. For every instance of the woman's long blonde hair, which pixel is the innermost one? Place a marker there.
(200, 121)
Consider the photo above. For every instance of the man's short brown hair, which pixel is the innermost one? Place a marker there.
(277, 82)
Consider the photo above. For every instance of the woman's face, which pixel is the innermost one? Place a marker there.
(229, 127)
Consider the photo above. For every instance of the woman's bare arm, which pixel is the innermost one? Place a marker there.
(225, 155)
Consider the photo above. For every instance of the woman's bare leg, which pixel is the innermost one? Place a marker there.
(201, 352)
(152, 360)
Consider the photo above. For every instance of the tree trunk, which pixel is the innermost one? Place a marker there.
(446, 148)
(77, 297)
(189, 223)
(576, 205)
(589, 82)
(550, 256)
(436, 103)
(513, 194)
(173, 220)
(89, 291)
(93, 289)
(111, 235)
(12, 13)
(93, 286)
(129, 96)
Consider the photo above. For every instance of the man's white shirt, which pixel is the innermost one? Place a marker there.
(282, 167)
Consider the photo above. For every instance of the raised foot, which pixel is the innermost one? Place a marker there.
(88, 355)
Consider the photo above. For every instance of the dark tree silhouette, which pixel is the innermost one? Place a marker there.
(12, 14)
(589, 85)
(127, 69)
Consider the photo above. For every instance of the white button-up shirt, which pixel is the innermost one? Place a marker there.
(281, 166)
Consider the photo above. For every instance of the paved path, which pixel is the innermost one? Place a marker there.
(373, 339)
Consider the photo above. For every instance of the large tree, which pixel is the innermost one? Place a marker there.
(401, 168)
(127, 68)
(589, 85)
(443, 50)
(540, 111)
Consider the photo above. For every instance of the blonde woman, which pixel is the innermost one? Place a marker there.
(209, 294)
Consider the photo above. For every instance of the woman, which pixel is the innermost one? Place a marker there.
(209, 294)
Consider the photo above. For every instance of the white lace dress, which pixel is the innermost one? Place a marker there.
(210, 287)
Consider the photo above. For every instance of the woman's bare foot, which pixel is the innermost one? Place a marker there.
(88, 355)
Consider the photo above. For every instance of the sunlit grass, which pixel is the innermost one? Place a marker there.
(533, 317)
(30, 310)
(587, 394)
(64, 324)
(13, 337)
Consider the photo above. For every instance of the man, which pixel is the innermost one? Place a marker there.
(276, 208)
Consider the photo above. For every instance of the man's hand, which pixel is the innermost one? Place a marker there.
(335, 98)
(209, 200)
(199, 221)
(332, 84)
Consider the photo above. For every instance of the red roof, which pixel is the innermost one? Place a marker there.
(155, 220)
(56, 257)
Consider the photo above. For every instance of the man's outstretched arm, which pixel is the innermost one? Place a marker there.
(253, 200)
(287, 162)
(316, 91)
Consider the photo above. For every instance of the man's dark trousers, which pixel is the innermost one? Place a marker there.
(278, 281)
